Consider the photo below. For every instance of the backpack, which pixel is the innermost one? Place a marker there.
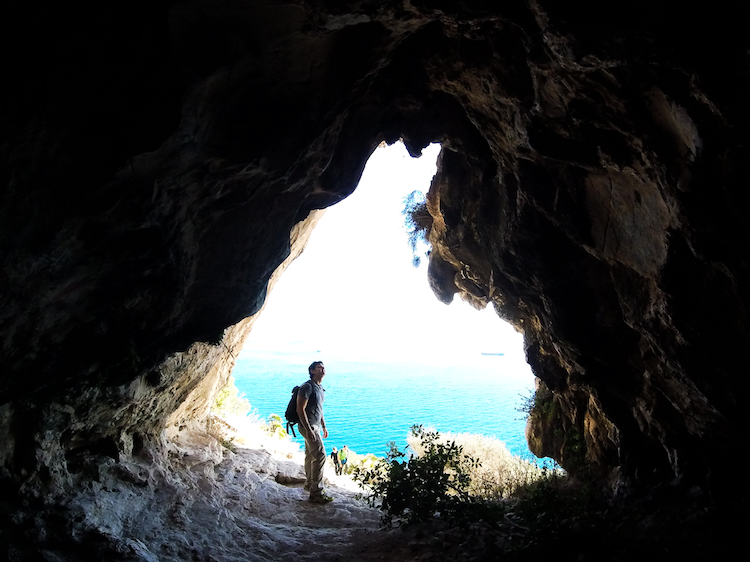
(292, 418)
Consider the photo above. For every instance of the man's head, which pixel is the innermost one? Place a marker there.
(316, 368)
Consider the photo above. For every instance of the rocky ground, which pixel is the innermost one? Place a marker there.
(251, 507)
(224, 503)
(214, 504)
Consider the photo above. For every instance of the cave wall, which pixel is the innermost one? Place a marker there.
(156, 157)
(585, 228)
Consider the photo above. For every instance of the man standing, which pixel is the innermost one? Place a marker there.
(310, 411)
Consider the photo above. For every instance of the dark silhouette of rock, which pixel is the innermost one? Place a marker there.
(156, 157)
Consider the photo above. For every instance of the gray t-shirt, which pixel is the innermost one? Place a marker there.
(315, 396)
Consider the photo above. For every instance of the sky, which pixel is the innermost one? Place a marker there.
(354, 293)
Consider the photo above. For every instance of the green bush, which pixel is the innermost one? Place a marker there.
(455, 476)
(499, 472)
(355, 461)
(419, 487)
(229, 402)
(539, 402)
(275, 426)
(418, 222)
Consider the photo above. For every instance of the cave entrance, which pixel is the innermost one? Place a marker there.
(395, 356)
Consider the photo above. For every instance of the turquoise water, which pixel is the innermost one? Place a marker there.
(369, 404)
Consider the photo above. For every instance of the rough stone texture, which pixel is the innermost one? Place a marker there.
(592, 187)
(232, 507)
(196, 407)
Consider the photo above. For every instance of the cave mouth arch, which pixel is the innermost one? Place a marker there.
(354, 300)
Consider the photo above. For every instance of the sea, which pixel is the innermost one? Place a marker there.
(370, 404)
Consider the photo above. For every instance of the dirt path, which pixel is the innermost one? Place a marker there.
(290, 528)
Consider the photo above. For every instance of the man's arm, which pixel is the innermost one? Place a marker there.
(303, 421)
(325, 429)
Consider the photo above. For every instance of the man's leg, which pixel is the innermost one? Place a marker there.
(308, 458)
(315, 460)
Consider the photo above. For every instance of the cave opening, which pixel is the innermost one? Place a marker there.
(355, 300)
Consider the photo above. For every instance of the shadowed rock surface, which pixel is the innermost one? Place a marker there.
(161, 160)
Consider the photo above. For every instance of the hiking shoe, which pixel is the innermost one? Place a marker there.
(322, 498)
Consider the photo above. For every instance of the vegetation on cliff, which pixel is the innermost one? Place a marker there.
(234, 422)
(497, 473)
(451, 476)
(230, 403)
(417, 221)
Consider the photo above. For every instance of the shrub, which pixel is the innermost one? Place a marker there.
(538, 402)
(455, 476)
(418, 222)
(499, 473)
(229, 402)
(363, 462)
(239, 425)
(414, 489)
(528, 403)
(275, 426)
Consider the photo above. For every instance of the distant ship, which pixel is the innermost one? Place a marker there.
(489, 353)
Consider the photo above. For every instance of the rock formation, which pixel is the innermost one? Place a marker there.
(157, 156)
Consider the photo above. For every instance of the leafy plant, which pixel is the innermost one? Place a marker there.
(418, 222)
(499, 472)
(229, 444)
(527, 404)
(229, 402)
(537, 401)
(419, 487)
(275, 426)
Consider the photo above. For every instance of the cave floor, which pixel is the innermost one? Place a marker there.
(249, 505)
